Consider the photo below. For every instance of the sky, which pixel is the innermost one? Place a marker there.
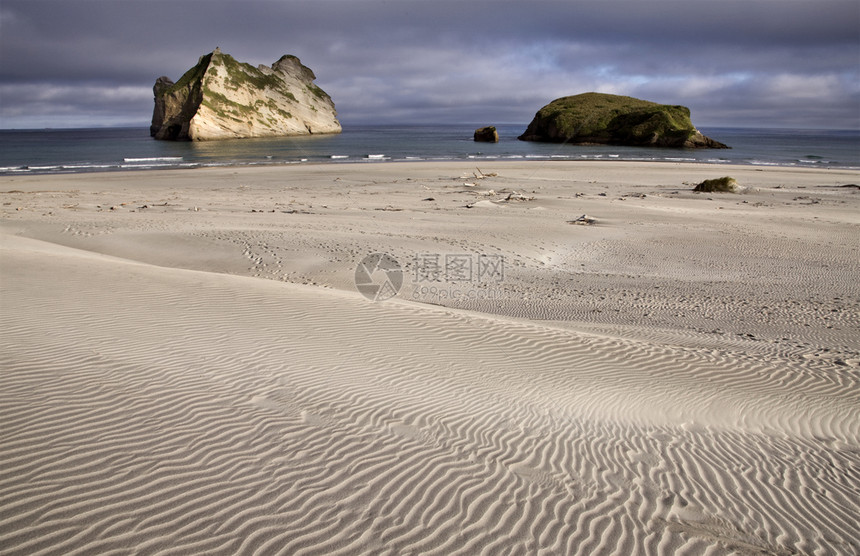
(735, 63)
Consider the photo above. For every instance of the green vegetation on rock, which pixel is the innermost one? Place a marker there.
(273, 106)
(220, 104)
(288, 57)
(618, 120)
(317, 92)
(726, 184)
(242, 74)
(192, 77)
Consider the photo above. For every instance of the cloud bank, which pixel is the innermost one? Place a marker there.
(752, 63)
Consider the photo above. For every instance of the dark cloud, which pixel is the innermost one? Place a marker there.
(734, 62)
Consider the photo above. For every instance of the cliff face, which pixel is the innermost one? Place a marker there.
(597, 118)
(221, 98)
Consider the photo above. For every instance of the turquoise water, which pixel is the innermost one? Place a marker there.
(116, 149)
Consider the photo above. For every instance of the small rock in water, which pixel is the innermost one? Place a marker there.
(487, 134)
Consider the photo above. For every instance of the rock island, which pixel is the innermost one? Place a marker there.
(599, 118)
(221, 98)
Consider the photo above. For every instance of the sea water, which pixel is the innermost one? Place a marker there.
(116, 149)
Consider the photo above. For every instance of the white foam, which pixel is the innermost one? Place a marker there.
(154, 159)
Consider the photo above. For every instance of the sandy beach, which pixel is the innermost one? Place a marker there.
(580, 358)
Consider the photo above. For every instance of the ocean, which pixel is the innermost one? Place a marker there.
(116, 149)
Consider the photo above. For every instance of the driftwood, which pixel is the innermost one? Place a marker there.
(583, 220)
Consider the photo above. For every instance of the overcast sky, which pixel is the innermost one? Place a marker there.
(754, 63)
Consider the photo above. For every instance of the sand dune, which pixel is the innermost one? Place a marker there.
(197, 408)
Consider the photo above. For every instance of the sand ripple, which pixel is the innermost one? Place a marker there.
(159, 411)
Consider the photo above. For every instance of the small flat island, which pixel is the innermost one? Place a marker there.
(599, 118)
